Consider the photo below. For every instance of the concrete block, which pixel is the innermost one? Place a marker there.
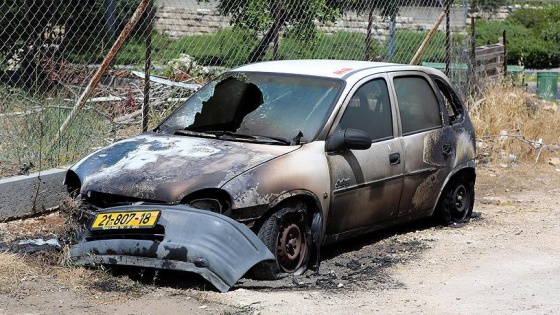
(26, 195)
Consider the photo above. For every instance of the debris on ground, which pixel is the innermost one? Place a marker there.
(554, 161)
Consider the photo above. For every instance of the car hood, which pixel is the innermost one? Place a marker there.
(166, 168)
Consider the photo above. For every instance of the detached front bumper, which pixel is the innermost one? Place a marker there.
(214, 246)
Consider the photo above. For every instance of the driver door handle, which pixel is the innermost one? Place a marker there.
(395, 158)
(447, 149)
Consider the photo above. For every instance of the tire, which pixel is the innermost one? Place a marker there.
(456, 202)
(285, 234)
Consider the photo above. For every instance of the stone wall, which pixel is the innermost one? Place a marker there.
(178, 21)
(181, 21)
(410, 18)
(500, 13)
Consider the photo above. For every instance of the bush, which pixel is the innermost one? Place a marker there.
(87, 39)
(532, 47)
(39, 37)
(533, 36)
(229, 47)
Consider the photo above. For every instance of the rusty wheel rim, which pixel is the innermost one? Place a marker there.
(291, 247)
(460, 202)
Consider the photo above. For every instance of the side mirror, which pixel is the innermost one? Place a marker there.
(349, 139)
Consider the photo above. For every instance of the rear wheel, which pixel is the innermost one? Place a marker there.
(285, 234)
(456, 201)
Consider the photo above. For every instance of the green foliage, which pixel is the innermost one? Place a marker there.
(85, 37)
(529, 18)
(30, 137)
(8, 29)
(340, 45)
(533, 36)
(407, 43)
(489, 5)
(259, 15)
(230, 47)
(270, 17)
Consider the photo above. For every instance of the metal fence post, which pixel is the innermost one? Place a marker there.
(472, 54)
(147, 66)
(110, 16)
(447, 36)
(504, 40)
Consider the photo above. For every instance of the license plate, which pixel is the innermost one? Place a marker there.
(125, 220)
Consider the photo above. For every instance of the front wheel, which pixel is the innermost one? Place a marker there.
(285, 234)
(456, 202)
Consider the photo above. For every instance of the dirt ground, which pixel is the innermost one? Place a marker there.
(506, 260)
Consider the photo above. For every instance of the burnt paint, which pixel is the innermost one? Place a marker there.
(372, 186)
(201, 262)
(166, 168)
(151, 249)
(300, 173)
(180, 253)
(426, 167)
(460, 137)
(168, 265)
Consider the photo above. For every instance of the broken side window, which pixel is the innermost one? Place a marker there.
(450, 99)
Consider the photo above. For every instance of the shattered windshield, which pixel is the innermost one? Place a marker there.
(258, 104)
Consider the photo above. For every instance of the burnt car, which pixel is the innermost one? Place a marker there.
(270, 161)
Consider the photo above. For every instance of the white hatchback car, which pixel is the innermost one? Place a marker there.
(270, 161)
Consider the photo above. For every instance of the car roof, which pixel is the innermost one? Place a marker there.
(342, 69)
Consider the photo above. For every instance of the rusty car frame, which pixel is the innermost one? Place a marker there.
(270, 161)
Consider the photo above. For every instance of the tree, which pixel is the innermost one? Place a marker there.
(42, 33)
(489, 5)
(270, 17)
(388, 9)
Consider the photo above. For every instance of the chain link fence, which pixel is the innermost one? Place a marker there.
(51, 50)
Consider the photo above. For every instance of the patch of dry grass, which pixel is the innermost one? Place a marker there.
(48, 225)
(13, 271)
(514, 126)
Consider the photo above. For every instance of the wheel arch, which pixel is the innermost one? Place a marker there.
(467, 170)
(314, 217)
(309, 200)
(219, 197)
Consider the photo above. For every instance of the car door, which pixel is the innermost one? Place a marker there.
(366, 183)
(426, 146)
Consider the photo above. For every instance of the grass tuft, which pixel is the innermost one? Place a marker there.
(13, 271)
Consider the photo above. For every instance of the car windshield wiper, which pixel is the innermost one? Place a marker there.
(228, 135)
(297, 139)
(185, 132)
(277, 139)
